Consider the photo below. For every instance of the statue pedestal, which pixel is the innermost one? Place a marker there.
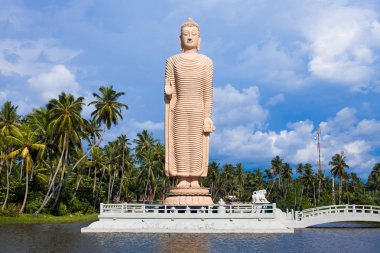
(188, 196)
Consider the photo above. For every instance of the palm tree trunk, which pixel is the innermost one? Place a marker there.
(122, 175)
(86, 154)
(62, 177)
(109, 187)
(21, 168)
(270, 190)
(94, 187)
(8, 173)
(340, 190)
(212, 189)
(333, 189)
(146, 189)
(76, 188)
(315, 201)
(49, 196)
(113, 182)
(26, 192)
(348, 194)
(50, 191)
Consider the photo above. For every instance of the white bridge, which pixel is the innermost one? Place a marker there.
(235, 218)
(337, 213)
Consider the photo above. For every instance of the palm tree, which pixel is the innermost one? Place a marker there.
(286, 174)
(229, 179)
(97, 162)
(66, 125)
(123, 143)
(213, 174)
(308, 179)
(320, 177)
(9, 120)
(374, 177)
(107, 111)
(300, 172)
(91, 131)
(240, 180)
(24, 143)
(270, 178)
(107, 108)
(150, 166)
(112, 164)
(144, 142)
(276, 168)
(339, 165)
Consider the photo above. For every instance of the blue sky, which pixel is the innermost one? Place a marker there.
(281, 69)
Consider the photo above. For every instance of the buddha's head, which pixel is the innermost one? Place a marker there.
(190, 37)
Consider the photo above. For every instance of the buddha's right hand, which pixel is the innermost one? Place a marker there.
(168, 87)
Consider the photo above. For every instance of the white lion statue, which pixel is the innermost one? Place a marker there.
(259, 197)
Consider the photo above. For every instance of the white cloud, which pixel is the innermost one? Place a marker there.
(52, 83)
(232, 106)
(342, 44)
(148, 125)
(3, 95)
(32, 57)
(343, 121)
(275, 100)
(296, 144)
(272, 63)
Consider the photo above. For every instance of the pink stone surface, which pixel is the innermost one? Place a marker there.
(188, 123)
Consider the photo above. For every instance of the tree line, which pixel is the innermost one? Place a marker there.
(51, 161)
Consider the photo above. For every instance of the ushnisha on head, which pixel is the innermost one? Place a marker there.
(190, 37)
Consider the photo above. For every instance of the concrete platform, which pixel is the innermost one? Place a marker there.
(211, 219)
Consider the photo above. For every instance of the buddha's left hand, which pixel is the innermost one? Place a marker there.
(208, 126)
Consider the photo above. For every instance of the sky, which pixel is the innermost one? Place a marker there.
(282, 69)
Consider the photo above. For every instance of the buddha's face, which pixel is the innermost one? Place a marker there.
(190, 38)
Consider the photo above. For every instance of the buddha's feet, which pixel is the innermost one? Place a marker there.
(183, 183)
(194, 183)
(188, 183)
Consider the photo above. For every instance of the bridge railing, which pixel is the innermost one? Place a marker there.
(131, 208)
(338, 209)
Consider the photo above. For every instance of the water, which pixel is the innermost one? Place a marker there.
(67, 238)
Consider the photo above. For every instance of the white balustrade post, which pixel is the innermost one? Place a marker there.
(353, 208)
(101, 208)
(274, 208)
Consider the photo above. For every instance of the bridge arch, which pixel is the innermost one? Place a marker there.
(337, 213)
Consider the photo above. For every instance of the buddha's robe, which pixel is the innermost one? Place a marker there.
(186, 144)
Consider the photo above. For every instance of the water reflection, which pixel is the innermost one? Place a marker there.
(67, 238)
(184, 243)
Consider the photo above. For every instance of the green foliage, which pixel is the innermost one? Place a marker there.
(51, 144)
(46, 218)
(62, 209)
(77, 206)
(34, 202)
(11, 210)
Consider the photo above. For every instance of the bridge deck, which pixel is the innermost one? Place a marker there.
(336, 213)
